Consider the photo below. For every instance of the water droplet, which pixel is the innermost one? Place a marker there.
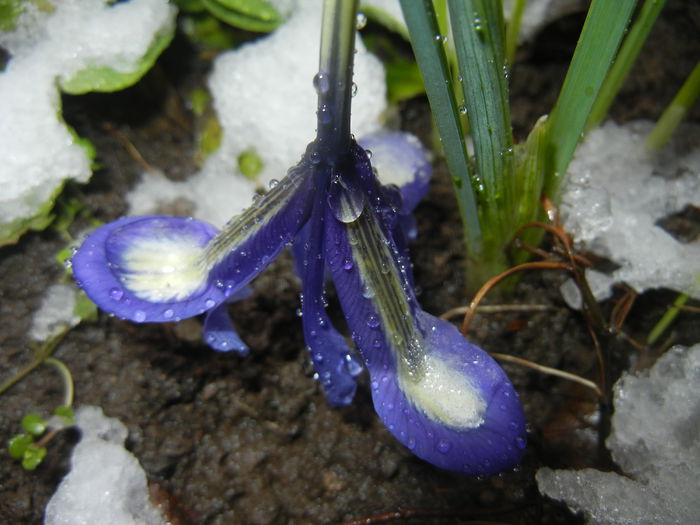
(372, 321)
(116, 294)
(377, 343)
(513, 426)
(273, 183)
(168, 314)
(463, 109)
(361, 21)
(367, 291)
(299, 312)
(444, 446)
(411, 443)
(321, 83)
(353, 89)
(139, 316)
(68, 264)
(348, 264)
(369, 154)
(210, 303)
(520, 442)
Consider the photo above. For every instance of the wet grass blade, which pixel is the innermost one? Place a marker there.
(427, 43)
(477, 29)
(675, 112)
(625, 60)
(600, 38)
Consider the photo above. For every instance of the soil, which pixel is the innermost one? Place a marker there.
(231, 440)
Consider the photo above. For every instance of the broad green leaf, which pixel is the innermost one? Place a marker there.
(34, 424)
(107, 79)
(17, 446)
(33, 456)
(243, 14)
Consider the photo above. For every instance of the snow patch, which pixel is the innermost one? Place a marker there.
(106, 484)
(38, 151)
(655, 439)
(616, 192)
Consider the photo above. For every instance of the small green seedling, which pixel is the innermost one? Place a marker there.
(24, 448)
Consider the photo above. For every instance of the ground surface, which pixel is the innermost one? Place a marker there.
(229, 440)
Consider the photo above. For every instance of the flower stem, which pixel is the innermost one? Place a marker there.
(333, 82)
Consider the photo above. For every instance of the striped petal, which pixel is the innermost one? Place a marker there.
(442, 397)
(159, 268)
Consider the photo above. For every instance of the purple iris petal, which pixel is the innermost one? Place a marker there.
(219, 332)
(160, 269)
(143, 268)
(336, 365)
(441, 396)
(400, 159)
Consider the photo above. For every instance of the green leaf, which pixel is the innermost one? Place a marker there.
(251, 15)
(33, 456)
(249, 163)
(9, 11)
(65, 412)
(189, 6)
(209, 138)
(34, 424)
(18, 445)
(403, 80)
(207, 31)
(107, 79)
(84, 308)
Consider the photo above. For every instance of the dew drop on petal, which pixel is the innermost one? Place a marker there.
(361, 21)
(348, 264)
(139, 316)
(520, 442)
(210, 303)
(372, 321)
(116, 293)
(444, 446)
(411, 444)
(168, 314)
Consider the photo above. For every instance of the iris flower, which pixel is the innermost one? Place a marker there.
(444, 398)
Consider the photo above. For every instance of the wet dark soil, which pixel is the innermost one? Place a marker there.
(231, 440)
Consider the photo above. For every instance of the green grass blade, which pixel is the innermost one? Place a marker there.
(594, 54)
(675, 112)
(513, 29)
(427, 43)
(477, 29)
(625, 60)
